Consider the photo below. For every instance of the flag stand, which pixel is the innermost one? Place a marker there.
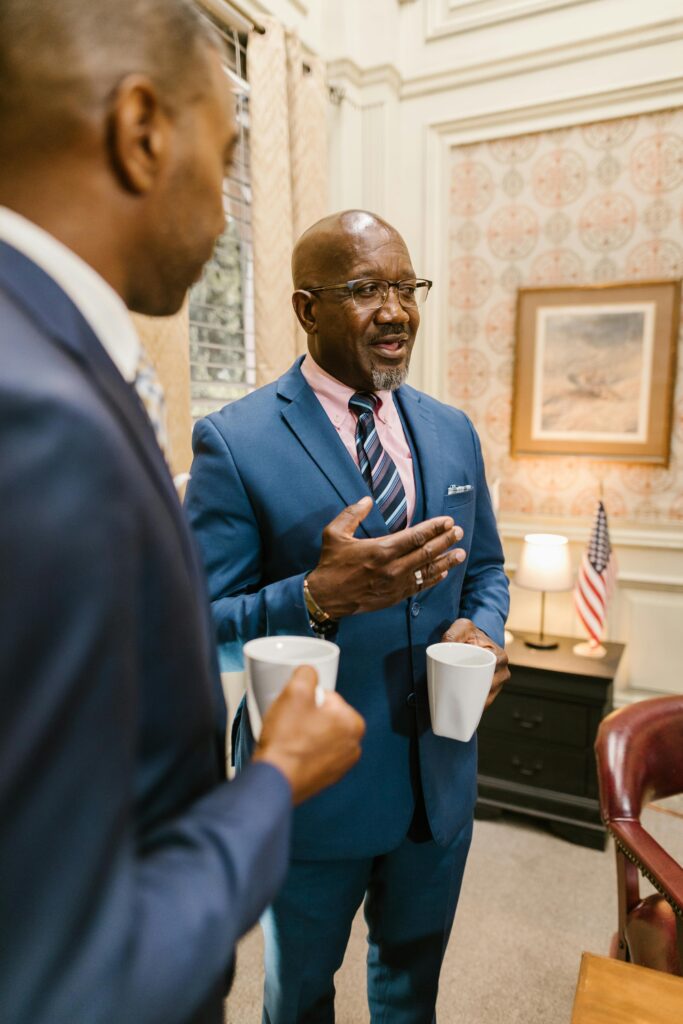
(586, 649)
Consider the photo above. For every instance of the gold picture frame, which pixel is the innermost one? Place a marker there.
(595, 369)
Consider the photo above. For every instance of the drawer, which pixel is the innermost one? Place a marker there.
(532, 763)
(542, 718)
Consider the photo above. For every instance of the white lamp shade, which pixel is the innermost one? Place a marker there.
(545, 563)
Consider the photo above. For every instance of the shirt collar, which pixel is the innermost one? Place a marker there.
(96, 300)
(337, 395)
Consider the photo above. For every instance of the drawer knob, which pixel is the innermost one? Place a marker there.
(524, 769)
(528, 722)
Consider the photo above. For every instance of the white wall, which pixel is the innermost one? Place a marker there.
(421, 76)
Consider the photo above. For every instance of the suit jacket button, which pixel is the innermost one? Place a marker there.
(415, 610)
(410, 700)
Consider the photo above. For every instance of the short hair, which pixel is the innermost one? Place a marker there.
(61, 59)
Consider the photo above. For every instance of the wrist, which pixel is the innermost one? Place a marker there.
(321, 621)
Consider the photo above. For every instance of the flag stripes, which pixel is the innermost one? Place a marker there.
(596, 578)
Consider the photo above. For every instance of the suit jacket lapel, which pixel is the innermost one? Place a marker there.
(61, 321)
(422, 426)
(308, 420)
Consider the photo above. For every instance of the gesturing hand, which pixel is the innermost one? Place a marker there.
(365, 575)
(463, 631)
(313, 746)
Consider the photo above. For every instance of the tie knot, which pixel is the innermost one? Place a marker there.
(363, 401)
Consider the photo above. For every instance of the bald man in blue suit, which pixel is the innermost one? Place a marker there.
(269, 473)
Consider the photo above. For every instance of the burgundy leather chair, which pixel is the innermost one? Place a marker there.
(639, 752)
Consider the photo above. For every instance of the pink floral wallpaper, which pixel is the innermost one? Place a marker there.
(593, 203)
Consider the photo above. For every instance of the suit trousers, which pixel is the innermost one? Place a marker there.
(410, 898)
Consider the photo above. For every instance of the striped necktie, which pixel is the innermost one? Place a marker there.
(376, 465)
(151, 394)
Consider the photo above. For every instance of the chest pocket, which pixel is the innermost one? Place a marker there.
(453, 502)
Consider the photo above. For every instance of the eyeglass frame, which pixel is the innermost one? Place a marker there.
(349, 285)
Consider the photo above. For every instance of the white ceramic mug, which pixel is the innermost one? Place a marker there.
(458, 679)
(269, 663)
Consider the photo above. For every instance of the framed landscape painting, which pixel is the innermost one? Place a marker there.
(595, 370)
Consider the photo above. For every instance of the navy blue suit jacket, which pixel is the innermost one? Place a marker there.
(128, 867)
(269, 472)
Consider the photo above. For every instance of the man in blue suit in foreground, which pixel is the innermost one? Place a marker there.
(270, 472)
(129, 868)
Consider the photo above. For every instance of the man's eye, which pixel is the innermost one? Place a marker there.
(408, 291)
(366, 291)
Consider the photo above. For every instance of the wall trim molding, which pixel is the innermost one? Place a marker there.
(473, 14)
(664, 538)
(362, 78)
(445, 79)
(441, 136)
(575, 51)
(646, 581)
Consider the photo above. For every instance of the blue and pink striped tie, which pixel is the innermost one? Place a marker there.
(378, 468)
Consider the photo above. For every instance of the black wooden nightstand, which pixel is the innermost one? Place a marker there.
(536, 739)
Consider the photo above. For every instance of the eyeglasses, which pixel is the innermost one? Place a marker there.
(370, 294)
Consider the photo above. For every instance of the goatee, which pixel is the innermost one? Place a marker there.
(389, 380)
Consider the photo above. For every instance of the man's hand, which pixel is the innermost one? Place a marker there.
(463, 631)
(365, 575)
(313, 746)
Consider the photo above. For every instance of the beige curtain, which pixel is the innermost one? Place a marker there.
(166, 342)
(288, 114)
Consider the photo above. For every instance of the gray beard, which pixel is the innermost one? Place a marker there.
(388, 380)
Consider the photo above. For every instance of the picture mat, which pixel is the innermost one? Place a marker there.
(594, 391)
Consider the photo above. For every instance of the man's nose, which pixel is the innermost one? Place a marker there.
(392, 311)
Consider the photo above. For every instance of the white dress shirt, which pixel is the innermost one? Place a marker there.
(96, 300)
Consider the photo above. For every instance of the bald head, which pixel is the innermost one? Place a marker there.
(332, 242)
(60, 61)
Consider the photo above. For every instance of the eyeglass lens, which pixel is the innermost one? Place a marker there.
(373, 294)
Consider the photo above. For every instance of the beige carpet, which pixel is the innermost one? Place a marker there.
(531, 904)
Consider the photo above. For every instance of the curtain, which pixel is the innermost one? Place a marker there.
(289, 158)
(165, 340)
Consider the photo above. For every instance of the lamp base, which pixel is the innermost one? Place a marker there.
(541, 643)
(589, 650)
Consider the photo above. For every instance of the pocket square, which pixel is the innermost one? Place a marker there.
(459, 488)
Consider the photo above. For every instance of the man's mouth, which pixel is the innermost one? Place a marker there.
(391, 344)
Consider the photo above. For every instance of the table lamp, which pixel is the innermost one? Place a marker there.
(544, 564)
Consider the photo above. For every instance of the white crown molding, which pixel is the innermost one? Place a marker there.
(363, 78)
(465, 15)
(624, 101)
(444, 79)
(576, 51)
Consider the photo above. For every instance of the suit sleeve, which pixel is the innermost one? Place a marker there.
(100, 923)
(485, 595)
(223, 519)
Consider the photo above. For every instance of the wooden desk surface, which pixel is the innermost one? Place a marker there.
(614, 992)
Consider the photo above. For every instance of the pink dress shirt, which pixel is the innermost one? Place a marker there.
(334, 398)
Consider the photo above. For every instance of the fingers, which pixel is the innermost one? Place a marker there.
(432, 550)
(459, 632)
(302, 683)
(335, 704)
(416, 537)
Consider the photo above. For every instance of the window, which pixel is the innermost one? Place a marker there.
(222, 352)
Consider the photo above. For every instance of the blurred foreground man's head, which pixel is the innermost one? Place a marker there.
(116, 127)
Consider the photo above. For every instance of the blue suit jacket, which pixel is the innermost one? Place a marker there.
(128, 868)
(269, 472)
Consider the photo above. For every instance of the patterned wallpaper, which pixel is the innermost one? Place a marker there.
(594, 203)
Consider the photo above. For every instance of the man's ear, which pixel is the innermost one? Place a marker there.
(139, 133)
(304, 307)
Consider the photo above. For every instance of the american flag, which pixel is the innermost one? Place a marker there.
(596, 577)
